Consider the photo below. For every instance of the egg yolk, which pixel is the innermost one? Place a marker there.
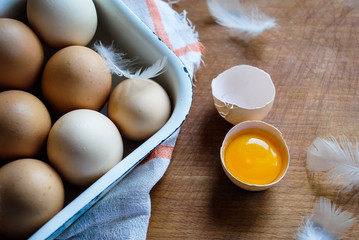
(253, 158)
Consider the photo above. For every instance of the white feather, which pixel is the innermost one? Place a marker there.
(311, 231)
(339, 159)
(152, 71)
(327, 222)
(115, 62)
(246, 22)
(121, 66)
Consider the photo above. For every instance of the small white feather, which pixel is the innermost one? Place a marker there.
(152, 71)
(121, 66)
(326, 222)
(115, 62)
(339, 158)
(311, 231)
(245, 21)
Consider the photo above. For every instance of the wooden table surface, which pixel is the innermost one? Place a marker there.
(313, 59)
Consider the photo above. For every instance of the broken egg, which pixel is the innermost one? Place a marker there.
(254, 155)
(243, 93)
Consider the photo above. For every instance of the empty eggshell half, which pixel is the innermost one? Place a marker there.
(243, 93)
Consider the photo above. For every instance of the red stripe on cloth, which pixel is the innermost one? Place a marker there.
(193, 47)
(162, 34)
(162, 151)
(157, 22)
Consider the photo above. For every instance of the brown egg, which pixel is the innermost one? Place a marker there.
(31, 193)
(139, 108)
(24, 124)
(21, 55)
(76, 77)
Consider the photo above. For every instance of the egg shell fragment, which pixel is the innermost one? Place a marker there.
(275, 135)
(139, 108)
(243, 93)
(83, 145)
(31, 193)
(63, 23)
(21, 55)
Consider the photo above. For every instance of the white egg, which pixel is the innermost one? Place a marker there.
(83, 145)
(61, 23)
(243, 93)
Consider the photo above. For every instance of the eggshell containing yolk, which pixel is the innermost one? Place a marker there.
(139, 108)
(63, 23)
(31, 193)
(76, 77)
(83, 145)
(267, 147)
(24, 124)
(21, 55)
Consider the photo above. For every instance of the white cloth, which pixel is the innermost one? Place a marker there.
(125, 211)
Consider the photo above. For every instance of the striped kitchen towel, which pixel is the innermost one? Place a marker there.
(125, 211)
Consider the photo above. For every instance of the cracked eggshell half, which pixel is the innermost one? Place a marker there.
(243, 93)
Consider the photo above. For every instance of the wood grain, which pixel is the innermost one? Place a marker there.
(313, 59)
